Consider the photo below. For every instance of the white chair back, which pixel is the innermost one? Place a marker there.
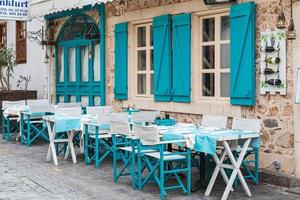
(144, 116)
(120, 117)
(120, 128)
(40, 105)
(98, 110)
(246, 124)
(7, 104)
(67, 105)
(68, 111)
(214, 121)
(147, 134)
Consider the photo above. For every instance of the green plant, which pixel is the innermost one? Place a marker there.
(25, 79)
(7, 63)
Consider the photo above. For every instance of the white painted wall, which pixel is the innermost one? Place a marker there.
(35, 65)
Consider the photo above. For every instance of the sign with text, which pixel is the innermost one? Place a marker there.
(14, 10)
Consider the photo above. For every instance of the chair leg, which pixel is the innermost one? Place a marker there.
(96, 150)
(28, 131)
(115, 160)
(256, 166)
(86, 146)
(3, 127)
(8, 129)
(188, 184)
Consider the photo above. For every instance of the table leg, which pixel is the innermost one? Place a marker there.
(51, 150)
(236, 167)
(71, 146)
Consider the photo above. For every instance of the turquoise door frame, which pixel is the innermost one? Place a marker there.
(96, 88)
(78, 87)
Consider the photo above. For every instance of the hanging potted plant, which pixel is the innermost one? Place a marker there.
(7, 64)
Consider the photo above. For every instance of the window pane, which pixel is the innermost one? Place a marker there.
(208, 57)
(151, 36)
(72, 64)
(60, 64)
(97, 101)
(225, 28)
(225, 55)
(152, 60)
(208, 29)
(142, 36)
(208, 84)
(141, 84)
(84, 101)
(61, 99)
(84, 63)
(152, 83)
(141, 60)
(97, 62)
(225, 84)
(72, 99)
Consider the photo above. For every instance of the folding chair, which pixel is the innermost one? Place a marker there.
(253, 125)
(208, 122)
(162, 164)
(10, 117)
(123, 147)
(214, 121)
(31, 123)
(144, 116)
(98, 140)
(68, 109)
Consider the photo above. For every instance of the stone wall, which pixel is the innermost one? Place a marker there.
(275, 111)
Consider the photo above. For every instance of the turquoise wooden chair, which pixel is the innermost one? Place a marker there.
(123, 147)
(98, 140)
(10, 117)
(32, 126)
(162, 165)
(254, 125)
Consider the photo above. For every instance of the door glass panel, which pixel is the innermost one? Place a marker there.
(225, 84)
(61, 99)
(225, 28)
(141, 84)
(142, 36)
(84, 52)
(225, 56)
(151, 59)
(72, 99)
(208, 84)
(97, 62)
(60, 64)
(208, 60)
(142, 60)
(208, 30)
(151, 35)
(84, 101)
(72, 64)
(97, 101)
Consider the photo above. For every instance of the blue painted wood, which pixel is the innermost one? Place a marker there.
(181, 29)
(101, 10)
(80, 88)
(121, 61)
(162, 58)
(242, 54)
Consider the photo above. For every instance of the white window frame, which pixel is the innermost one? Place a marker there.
(148, 70)
(217, 70)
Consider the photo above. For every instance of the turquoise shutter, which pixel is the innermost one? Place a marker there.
(242, 54)
(121, 61)
(181, 58)
(162, 57)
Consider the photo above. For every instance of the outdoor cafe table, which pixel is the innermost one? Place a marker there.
(57, 124)
(205, 140)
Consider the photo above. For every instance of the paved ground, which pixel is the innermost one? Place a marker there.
(24, 174)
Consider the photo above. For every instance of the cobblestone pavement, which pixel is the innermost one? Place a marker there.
(24, 174)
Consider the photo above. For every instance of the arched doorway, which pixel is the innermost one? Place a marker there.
(78, 61)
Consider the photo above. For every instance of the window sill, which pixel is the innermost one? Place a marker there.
(200, 107)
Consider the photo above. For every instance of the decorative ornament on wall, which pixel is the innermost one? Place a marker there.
(273, 62)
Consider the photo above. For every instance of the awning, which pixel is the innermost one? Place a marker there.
(40, 8)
